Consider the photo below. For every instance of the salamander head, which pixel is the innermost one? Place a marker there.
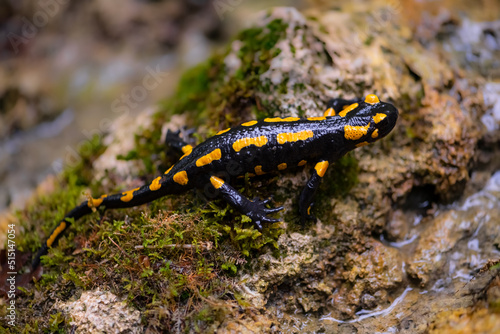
(368, 121)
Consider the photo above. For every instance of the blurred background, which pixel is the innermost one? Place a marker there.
(68, 68)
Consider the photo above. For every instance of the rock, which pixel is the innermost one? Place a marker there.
(442, 250)
(101, 312)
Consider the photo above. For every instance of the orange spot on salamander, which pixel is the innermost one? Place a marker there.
(293, 136)
(302, 163)
(329, 112)
(344, 112)
(362, 144)
(378, 118)
(216, 182)
(58, 230)
(207, 159)
(168, 170)
(282, 166)
(187, 149)
(258, 170)
(321, 168)
(244, 142)
(95, 202)
(181, 178)
(222, 131)
(155, 185)
(372, 99)
(322, 118)
(249, 123)
(355, 132)
(279, 119)
(128, 195)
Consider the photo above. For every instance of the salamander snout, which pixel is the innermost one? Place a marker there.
(368, 121)
(384, 115)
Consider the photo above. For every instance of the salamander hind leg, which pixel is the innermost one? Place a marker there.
(181, 145)
(339, 104)
(336, 106)
(307, 195)
(255, 209)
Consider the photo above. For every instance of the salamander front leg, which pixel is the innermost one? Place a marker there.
(307, 195)
(255, 209)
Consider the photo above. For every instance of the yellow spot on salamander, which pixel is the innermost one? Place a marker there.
(128, 195)
(207, 159)
(216, 182)
(222, 131)
(155, 185)
(362, 144)
(279, 119)
(321, 168)
(344, 112)
(187, 149)
(249, 123)
(355, 132)
(375, 133)
(95, 202)
(309, 210)
(302, 163)
(282, 166)
(379, 117)
(258, 170)
(59, 229)
(329, 112)
(244, 142)
(168, 170)
(294, 136)
(372, 99)
(181, 178)
(316, 118)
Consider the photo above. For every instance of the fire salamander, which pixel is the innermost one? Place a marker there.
(256, 148)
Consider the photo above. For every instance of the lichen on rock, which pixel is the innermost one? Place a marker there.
(101, 312)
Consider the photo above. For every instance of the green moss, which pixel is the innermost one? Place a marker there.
(220, 99)
(37, 221)
(40, 217)
(240, 231)
(56, 323)
(339, 180)
(88, 151)
(342, 177)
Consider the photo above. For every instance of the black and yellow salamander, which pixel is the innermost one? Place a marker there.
(256, 148)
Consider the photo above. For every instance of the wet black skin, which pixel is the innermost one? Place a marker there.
(327, 144)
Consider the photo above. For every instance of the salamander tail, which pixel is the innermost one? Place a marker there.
(158, 188)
